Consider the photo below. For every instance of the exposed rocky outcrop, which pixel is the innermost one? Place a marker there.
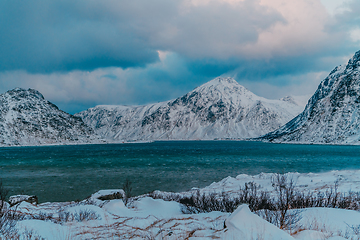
(332, 114)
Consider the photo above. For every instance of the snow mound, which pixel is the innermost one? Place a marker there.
(310, 234)
(243, 224)
(158, 207)
(330, 220)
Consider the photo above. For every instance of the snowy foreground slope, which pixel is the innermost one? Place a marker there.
(147, 218)
(332, 114)
(219, 109)
(26, 118)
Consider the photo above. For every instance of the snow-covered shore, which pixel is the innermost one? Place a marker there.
(147, 218)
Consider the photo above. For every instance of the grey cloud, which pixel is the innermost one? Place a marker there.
(264, 70)
(217, 30)
(48, 36)
(350, 17)
(51, 39)
(174, 76)
(77, 90)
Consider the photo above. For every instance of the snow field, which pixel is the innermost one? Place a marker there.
(148, 218)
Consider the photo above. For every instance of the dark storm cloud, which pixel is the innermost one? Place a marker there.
(263, 69)
(83, 53)
(48, 36)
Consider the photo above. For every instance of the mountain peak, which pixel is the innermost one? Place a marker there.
(224, 89)
(26, 118)
(23, 93)
(297, 100)
(226, 81)
(222, 84)
(220, 108)
(354, 62)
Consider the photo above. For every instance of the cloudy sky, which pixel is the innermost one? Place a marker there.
(83, 53)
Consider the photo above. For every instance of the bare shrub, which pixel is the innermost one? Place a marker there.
(64, 216)
(3, 195)
(43, 216)
(224, 202)
(128, 190)
(327, 199)
(255, 199)
(198, 203)
(31, 235)
(82, 215)
(8, 217)
(354, 229)
(85, 215)
(281, 208)
(285, 197)
(7, 226)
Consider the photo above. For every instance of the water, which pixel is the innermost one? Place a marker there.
(63, 173)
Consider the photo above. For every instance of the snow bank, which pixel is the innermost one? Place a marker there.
(147, 218)
(43, 229)
(243, 224)
(331, 221)
(346, 180)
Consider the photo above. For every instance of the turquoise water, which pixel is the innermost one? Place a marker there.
(62, 173)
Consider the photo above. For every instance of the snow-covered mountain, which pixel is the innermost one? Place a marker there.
(297, 100)
(332, 114)
(26, 118)
(221, 108)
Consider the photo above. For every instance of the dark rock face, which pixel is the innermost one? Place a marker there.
(26, 118)
(332, 114)
(16, 199)
(221, 108)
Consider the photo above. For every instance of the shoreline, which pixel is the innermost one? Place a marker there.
(107, 142)
(346, 181)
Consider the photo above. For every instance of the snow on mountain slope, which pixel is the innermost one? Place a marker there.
(26, 118)
(297, 100)
(332, 114)
(221, 108)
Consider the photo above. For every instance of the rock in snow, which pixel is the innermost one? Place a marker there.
(26, 118)
(219, 109)
(13, 200)
(332, 114)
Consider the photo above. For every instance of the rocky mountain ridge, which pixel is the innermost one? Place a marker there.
(219, 109)
(26, 118)
(332, 114)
